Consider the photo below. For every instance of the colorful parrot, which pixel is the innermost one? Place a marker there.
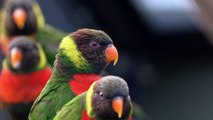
(81, 58)
(106, 99)
(24, 74)
(24, 17)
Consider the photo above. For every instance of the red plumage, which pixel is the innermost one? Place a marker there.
(4, 43)
(85, 116)
(15, 88)
(81, 82)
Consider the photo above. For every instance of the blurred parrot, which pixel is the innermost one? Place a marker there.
(24, 17)
(24, 74)
(81, 58)
(106, 99)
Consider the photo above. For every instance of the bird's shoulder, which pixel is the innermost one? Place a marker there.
(49, 100)
(73, 109)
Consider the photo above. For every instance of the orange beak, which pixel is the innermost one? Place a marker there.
(20, 17)
(111, 54)
(16, 57)
(117, 106)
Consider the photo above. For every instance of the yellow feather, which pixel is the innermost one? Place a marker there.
(2, 15)
(70, 50)
(89, 101)
(39, 15)
(4, 64)
(43, 60)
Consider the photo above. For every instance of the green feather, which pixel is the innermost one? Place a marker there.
(83, 103)
(57, 91)
(50, 37)
(53, 96)
(73, 109)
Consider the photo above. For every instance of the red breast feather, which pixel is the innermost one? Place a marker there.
(85, 116)
(81, 82)
(15, 88)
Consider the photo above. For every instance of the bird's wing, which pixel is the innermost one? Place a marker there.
(50, 37)
(50, 100)
(72, 110)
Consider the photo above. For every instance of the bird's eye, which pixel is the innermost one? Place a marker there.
(94, 44)
(101, 94)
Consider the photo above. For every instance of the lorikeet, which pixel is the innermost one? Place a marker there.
(24, 74)
(24, 17)
(81, 58)
(106, 99)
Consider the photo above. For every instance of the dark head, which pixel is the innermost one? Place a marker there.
(25, 55)
(21, 17)
(87, 50)
(108, 99)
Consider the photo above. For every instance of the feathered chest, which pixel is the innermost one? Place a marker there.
(81, 82)
(15, 88)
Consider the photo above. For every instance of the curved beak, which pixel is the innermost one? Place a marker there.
(111, 54)
(20, 17)
(117, 106)
(16, 57)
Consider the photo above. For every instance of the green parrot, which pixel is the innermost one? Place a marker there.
(106, 99)
(81, 58)
(24, 17)
(20, 81)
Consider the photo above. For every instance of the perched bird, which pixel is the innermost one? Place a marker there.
(106, 99)
(81, 58)
(24, 17)
(24, 74)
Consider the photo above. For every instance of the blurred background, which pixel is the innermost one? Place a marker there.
(165, 49)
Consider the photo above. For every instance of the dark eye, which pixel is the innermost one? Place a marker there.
(94, 44)
(101, 94)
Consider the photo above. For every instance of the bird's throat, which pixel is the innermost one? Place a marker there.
(81, 82)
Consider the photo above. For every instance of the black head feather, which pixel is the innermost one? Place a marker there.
(92, 44)
(104, 91)
(31, 22)
(30, 52)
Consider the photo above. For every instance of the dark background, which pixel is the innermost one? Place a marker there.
(166, 60)
(169, 67)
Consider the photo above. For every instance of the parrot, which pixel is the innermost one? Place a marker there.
(25, 17)
(82, 56)
(106, 99)
(24, 74)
